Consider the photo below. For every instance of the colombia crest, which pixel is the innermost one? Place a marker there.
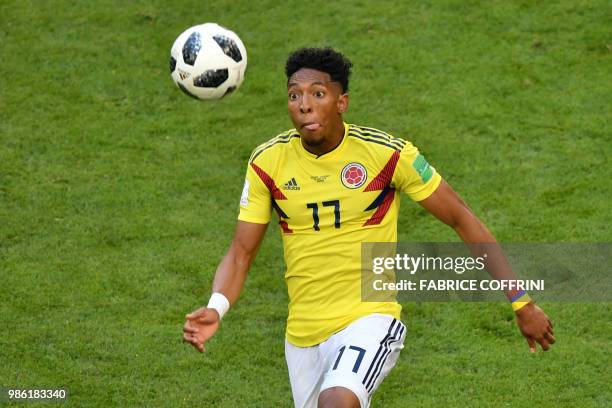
(353, 175)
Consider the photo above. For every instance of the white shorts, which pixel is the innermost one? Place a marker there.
(358, 358)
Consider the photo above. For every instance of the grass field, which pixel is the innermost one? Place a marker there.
(118, 194)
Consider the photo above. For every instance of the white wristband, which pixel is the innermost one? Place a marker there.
(219, 303)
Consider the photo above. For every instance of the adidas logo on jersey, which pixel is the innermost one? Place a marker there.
(291, 185)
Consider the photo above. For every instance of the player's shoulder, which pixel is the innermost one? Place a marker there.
(376, 139)
(275, 145)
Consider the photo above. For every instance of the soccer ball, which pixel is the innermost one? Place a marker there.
(208, 61)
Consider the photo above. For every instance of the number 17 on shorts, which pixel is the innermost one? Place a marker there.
(358, 358)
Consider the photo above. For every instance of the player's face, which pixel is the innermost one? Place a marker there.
(316, 104)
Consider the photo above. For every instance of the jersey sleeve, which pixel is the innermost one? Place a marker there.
(414, 175)
(255, 202)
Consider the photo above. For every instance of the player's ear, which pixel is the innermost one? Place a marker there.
(343, 103)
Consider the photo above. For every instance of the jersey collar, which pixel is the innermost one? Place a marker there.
(332, 153)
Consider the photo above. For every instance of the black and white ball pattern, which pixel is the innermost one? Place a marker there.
(208, 61)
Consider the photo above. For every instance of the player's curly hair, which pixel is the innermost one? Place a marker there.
(322, 59)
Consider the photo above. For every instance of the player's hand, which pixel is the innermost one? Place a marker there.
(535, 326)
(200, 325)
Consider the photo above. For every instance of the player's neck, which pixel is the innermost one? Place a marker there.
(330, 142)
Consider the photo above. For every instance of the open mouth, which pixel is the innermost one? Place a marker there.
(311, 126)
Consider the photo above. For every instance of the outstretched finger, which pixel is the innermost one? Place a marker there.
(188, 338)
(199, 345)
(550, 338)
(544, 343)
(187, 328)
(191, 339)
(532, 344)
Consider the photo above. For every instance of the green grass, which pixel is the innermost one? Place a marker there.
(118, 194)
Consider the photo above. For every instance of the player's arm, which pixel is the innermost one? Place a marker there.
(446, 205)
(233, 269)
(229, 279)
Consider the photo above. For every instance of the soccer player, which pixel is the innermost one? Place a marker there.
(334, 185)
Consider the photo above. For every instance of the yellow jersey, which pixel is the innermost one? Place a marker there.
(327, 206)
